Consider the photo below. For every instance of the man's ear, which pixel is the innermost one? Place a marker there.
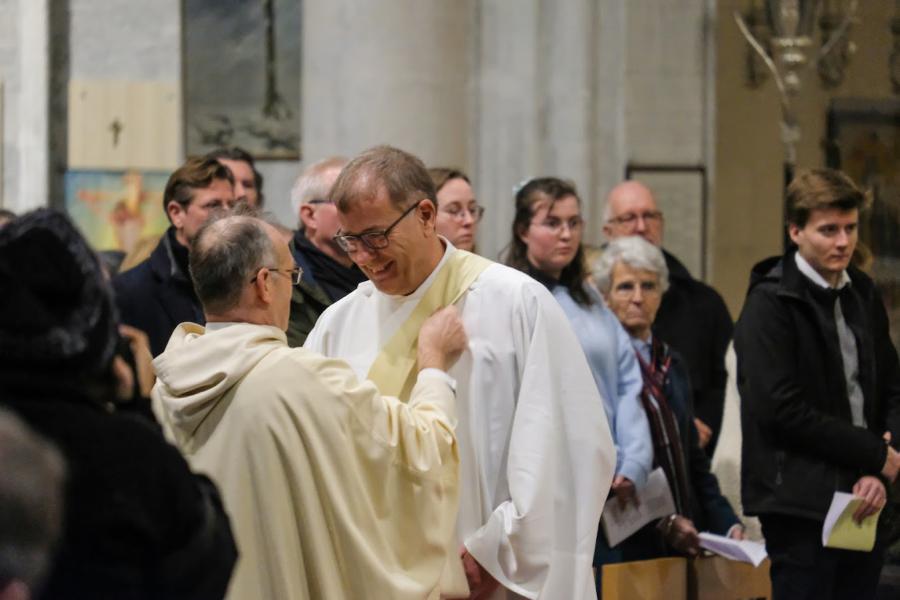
(308, 217)
(176, 213)
(793, 232)
(427, 212)
(262, 286)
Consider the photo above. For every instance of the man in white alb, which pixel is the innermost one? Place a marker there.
(536, 456)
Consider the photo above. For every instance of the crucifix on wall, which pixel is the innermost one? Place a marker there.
(116, 127)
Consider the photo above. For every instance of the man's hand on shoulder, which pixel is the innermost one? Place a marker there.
(442, 339)
(872, 491)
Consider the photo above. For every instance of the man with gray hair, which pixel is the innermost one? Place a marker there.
(692, 318)
(328, 273)
(632, 276)
(334, 491)
(31, 506)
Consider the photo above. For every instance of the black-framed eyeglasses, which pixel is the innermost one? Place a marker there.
(320, 201)
(296, 273)
(373, 240)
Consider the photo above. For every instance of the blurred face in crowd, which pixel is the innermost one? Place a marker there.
(204, 203)
(632, 210)
(320, 216)
(634, 296)
(554, 234)
(409, 257)
(458, 213)
(244, 181)
(827, 241)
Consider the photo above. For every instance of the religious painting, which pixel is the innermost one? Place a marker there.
(116, 209)
(864, 142)
(680, 193)
(242, 76)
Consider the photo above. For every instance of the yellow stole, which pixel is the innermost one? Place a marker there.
(394, 370)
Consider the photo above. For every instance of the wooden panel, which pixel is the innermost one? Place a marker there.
(124, 125)
(660, 579)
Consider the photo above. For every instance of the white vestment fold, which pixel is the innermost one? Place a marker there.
(536, 455)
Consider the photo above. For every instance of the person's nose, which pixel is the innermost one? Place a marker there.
(468, 219)
(240, 192)
(843, 238)
(640, 225)
(363, 255)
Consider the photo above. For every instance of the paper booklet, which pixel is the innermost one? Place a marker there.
(655, 503)
(841, 531)
(743, 550)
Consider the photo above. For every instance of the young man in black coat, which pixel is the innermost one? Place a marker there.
(158, 294)
(820, 389)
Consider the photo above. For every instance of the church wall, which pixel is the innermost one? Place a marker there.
(505, 89)
(10, 79)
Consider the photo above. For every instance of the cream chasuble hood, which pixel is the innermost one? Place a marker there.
(334, 492)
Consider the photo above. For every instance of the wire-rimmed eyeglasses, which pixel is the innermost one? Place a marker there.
(296, 273)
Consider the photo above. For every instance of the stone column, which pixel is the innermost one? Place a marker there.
(32, 108)
(537, 102)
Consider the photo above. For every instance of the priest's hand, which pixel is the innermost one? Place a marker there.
(624, 490)
(481, 583)
(442, 339)
(681, 534)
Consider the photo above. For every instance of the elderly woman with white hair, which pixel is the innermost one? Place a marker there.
(632, 276)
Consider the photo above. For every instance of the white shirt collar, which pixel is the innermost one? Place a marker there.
(814, 275)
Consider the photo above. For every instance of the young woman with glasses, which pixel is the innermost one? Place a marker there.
(546, 243)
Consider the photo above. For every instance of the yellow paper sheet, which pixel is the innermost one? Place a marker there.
(841, 531)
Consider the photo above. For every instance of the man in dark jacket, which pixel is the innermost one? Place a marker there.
(820, 388)
(328, 273)
(158, 294)
(693, 318)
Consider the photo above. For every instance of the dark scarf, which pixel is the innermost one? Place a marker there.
(667, 451)
(541, 277)
(336, 279)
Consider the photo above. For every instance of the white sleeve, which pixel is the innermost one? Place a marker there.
(540, 542)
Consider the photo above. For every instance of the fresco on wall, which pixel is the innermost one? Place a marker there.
(242, 76)
(864, 142)
(115, 209)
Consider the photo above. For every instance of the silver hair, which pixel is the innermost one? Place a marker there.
(225, 255)
(637, 253)
(310, 185)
